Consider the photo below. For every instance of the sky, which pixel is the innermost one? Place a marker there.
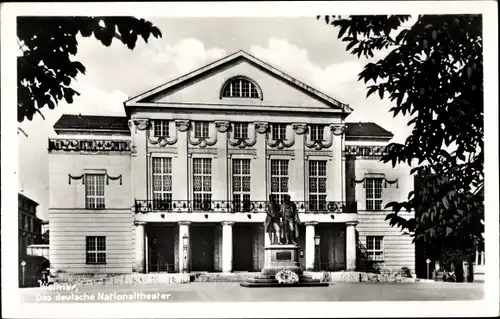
(305, 48)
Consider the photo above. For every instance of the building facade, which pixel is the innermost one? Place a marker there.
(29, 233)
(29, 225)
(181, 182)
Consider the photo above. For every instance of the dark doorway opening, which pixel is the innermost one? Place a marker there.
(161, 250)
(202, 248)
(243, 241)
(332, 247)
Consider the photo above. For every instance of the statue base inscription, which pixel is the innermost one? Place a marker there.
(281, 257)
(278, 258)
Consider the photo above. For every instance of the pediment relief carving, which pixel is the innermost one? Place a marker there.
(141, 124)
(182, 125)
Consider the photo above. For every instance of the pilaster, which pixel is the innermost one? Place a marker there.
(227, 246)
(184, 256)
(140, 247)
(351, 246)
(337, 164)
(310, 247)
(139, 158)
(180, 165)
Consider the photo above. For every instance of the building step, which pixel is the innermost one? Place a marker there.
(175, 278)
(250, 284)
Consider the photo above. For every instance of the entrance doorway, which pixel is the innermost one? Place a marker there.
(332, 246)
(161, 250)
(202, 248)
(243, 241)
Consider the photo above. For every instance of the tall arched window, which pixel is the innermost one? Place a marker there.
(241, 87)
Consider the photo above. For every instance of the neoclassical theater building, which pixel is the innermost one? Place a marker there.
(181, 182)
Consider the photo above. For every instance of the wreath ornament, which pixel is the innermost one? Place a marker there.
(287, 277)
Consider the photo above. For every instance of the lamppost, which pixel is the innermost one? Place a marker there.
(316, 254)
(23, 269)
(185, 241)
(428, 261)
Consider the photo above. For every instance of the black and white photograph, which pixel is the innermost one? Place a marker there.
(250, 159)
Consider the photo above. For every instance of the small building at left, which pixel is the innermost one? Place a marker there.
(29, 233)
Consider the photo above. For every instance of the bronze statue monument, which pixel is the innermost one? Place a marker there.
(282, 259)
(290, 218)
(282, 221)
(273, 221)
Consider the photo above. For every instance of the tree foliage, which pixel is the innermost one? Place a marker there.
(433, 72)
(45, 67)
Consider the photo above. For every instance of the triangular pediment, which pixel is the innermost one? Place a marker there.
(204, 86)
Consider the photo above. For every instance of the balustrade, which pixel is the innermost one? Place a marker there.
(238, 206)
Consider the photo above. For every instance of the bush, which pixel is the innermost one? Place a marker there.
(405, 272)
(449, 276)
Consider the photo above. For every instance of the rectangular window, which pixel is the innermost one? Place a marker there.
(279, 179)
(96, 249)
(317, 132)
(161, 128)
(240, 130)
(202, 183)
(375, 247)
(201, 129)
(162, 183)
(278, 131)
(94, 191)
(480, 258)
(317, 185)
(373, 193)
(241, 185)
(26, 224)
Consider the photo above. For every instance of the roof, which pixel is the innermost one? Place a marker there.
(228, 59)
(366, 130)
(91, 122)
(27, 199)
(97, 122)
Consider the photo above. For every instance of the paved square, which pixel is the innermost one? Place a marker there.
(226, 292)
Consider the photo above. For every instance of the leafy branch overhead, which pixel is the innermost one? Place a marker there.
(432, 72)
(45, 67)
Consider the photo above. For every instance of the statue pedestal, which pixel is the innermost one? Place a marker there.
(277, 258)
(281, 257)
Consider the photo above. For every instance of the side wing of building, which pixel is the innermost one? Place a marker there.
(374, 184)
(90, 199)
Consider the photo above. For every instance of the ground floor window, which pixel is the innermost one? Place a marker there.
(96, 249)
(375, 247)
